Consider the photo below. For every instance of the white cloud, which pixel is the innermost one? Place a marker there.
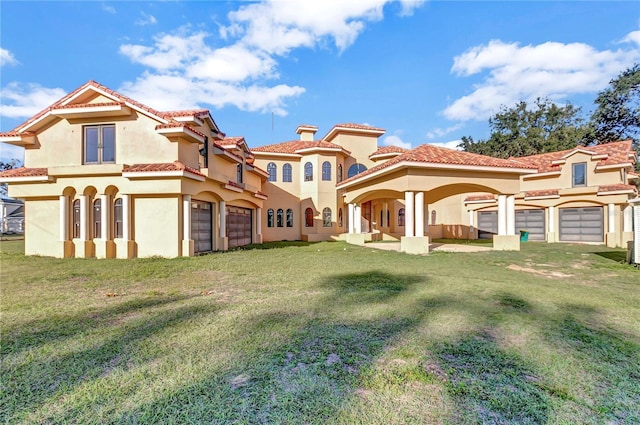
(7, 58)
(26, 100)
(453, 144)
(395, 140)
(632, 37)
(146, 20)
(514, 73)
(439, 132)
(9, 152)
(108, 8)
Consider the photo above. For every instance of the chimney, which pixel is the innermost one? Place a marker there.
(306, 132)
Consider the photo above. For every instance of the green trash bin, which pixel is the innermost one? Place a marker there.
(524, 235)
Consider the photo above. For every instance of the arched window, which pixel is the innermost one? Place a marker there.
(97, 219)
(326, 171)
(270, 217)
(355, 169)
(401, 217)
(433, 217)
(326, 217)
(308, 217)
(76, 218)
(117, 218)
(280, 218)
(339, 177)
(286, 173)
(308, 172)
(272, 169)
(289, 217)
(340, 217)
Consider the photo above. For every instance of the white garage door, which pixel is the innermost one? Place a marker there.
(582, 224)
(238, 226)
(201, 228)
(533, 222)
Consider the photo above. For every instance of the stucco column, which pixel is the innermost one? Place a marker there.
(511, 215)
(627, 219)
(126, 217)
(408, 214)
(611, 209)
(551, 228)
(223, 219)
(84, 216)
(104, 217)
(64, 218)
(419, 218)
(502, 215)
(385, 212)
(351, 216)
(259, 221)
(357, 218)
(186, 217)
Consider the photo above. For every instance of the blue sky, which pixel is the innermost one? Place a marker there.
(427, 72)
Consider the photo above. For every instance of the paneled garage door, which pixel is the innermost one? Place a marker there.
(201, 228)
(582, 224)
(533, 222)
(239, 226)
(487, 224)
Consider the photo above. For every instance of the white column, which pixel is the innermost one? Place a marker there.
(357, 219)
(552, 220)
(105, 207)
(612, 218)
(502, 215)
(186, 217)
(419, 218)
(223, 219)
(628, 218)
(259, 221)
(408, 214)
(64, 218)
(84, 216)
(511, 215)
(352, 217)
(126, 217)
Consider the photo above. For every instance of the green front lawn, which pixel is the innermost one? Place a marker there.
(322, 333)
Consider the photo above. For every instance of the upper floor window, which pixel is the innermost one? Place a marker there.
(286, 173)
(401, 217)
(117, 218)
(280, 217)
(579, 175)
(239, 173)
(308, 172)
(308, 217)
(76, 218)
(100, 144)
(355, 169)
(326, 217)
(97, 219)
(272, 169)
(289, 217)
(270, 217)
(339, 176)
(326, 171)
(204, 153)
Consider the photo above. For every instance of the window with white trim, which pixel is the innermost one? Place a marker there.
(579, 174)
(326, 217)
(326, 171)
(272, 169)
(286, 173)
(99, 144)
(308, 172)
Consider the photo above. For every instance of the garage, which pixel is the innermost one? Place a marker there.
(201, 226)
(532, 221)
(487, 224)
(239, 228)
(582, 224)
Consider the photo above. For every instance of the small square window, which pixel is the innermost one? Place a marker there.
(579, 175)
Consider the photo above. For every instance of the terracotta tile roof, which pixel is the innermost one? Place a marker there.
(87, 105)
(387, 150)
(480, 198)
(295, 146)
(179, 125)
(431, 154)
(358, 127)
(536, 193)
(24, 172)
(232, 140)
(159, 167)
(616, 187)
(187, 113)
(618, 153)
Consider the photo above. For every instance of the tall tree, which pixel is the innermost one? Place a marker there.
(528, 130)
(617, 116)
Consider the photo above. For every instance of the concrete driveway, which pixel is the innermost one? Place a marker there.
(445, 247)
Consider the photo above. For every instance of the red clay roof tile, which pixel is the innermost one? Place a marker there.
(159, 167)
(616, 187)
(536, 193)
(294, 146)
(24, 172)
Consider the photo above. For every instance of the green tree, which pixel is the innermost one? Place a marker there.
(7, 166)
(531, 129)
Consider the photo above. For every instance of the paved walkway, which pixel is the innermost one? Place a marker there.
(446, 247)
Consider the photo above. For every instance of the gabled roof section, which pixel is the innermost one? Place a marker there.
(608, 154)
(439, 157)
(299, 147)
(353, 128)
(25, 175)
(169, 169)
(386, 152)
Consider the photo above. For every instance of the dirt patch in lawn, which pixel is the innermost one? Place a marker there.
(546, 273)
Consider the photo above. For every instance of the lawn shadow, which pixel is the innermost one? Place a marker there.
(273, 245)
(617, 256)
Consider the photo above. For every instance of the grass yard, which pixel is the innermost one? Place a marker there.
(321, 334)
